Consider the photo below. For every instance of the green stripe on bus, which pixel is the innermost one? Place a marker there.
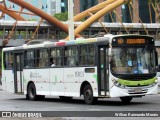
(81, 41)
(24, 80)
(55, 80)
(95, 77)
(135, 82)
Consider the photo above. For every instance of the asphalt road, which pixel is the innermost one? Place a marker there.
(77, 107)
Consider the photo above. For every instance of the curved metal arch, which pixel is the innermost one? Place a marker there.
(100, 14)
(93, 9)
(43, 15)
(12, 14)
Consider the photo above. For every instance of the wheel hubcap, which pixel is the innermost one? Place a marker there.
(32, 92)
(88, 94)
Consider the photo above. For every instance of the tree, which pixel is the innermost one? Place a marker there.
(61, 16)
(32, 19)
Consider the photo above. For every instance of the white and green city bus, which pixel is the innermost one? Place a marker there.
(121, 66)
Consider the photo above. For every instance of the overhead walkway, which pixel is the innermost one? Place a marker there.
(25, 29)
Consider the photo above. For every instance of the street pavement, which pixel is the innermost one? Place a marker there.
(13, 102)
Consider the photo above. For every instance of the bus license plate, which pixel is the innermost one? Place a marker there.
(138, 90)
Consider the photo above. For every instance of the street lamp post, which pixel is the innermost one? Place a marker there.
(71, 19)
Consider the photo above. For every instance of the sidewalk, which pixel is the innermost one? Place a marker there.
(0, 87)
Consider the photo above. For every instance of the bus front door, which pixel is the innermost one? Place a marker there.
(103, 71)
(18, 72)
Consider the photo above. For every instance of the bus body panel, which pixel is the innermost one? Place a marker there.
(42, 81)
(72, 78)
(8, 81)
(3, 80)
(75, 77)
(28, 76)
(59, 85)
(40, 77)
(56, 81)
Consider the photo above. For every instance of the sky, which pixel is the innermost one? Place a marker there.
(36, 3)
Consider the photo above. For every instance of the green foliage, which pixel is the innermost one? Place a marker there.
(1, 32)
(61, 16)
(64, 16)
(32, 19)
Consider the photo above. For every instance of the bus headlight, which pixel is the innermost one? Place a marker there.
(119, 84)
(156, 81)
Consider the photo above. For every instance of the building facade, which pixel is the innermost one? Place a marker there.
(125, 12)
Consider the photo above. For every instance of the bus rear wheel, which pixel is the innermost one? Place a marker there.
(31, 92)
(126, 100)
(88, 95)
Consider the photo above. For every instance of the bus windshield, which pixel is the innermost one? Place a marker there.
(132, 60)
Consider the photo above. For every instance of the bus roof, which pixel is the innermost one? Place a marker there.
(46, 44)
(8, 48)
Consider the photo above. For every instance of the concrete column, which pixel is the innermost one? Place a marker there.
(76, 7)
(136, 11)
(119, 13)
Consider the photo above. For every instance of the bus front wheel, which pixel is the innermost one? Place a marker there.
(88, 95)
(126, 100)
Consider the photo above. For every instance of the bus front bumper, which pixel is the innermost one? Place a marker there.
(133, 91)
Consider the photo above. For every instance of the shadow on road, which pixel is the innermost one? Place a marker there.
(103, 102)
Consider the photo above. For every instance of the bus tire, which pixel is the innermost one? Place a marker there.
(31, 91)
(88, 95)
(126, 100)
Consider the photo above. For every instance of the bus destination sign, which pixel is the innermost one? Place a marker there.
(131, 41)
(135, 41)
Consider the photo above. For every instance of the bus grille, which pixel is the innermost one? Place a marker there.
(134, 91)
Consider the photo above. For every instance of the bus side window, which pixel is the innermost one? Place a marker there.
(42, 58)
(71, 55)
(52, 58)
(58, 57)
(8, 60)
(87, 55)
(66, 57)
(29, 59)
(91, 55)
